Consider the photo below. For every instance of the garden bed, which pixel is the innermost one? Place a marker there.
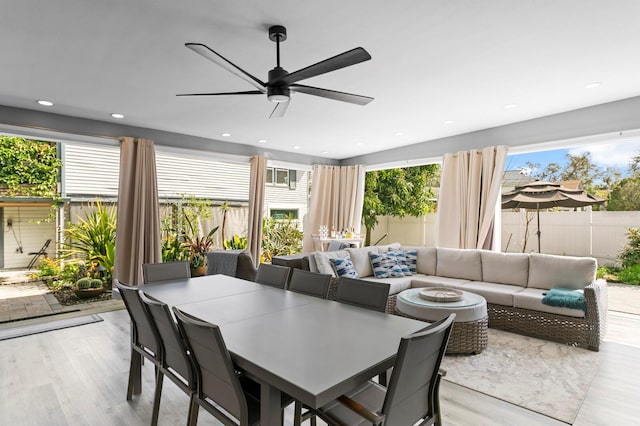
(66, 297)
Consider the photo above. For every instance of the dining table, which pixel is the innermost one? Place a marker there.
(313, 349)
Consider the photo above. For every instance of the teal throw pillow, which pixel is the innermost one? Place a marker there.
(401, 260)
(344, 267)
(412, 260)
(385, 266)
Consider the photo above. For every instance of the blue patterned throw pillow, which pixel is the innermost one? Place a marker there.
(344, 267)
(412, 260)
(401, 260)
(385, 266)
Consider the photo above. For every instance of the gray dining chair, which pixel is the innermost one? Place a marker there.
(176, 363)
(152, 272)
(413, 392)
(145, 341)
(217, 379)
(273, 275)
(310, 283)
(363, 293)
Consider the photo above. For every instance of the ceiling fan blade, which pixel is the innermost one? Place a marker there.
(331, 94)
(248, 92)
(279, 110)
(351, 57)
(220, 60)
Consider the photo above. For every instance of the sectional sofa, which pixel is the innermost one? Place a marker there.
(513, 284)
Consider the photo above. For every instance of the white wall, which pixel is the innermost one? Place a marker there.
(31, 232)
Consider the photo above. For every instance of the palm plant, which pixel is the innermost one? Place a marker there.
(93, 239)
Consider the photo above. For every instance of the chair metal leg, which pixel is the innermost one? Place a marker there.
(192, 417)
(157, 396)
(436, 402)
(134, 386)
(297, 413)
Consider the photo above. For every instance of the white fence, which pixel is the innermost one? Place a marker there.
(598, 234)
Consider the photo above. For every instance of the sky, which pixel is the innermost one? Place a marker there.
(611, 154)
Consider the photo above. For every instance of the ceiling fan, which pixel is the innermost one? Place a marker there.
(281, 83)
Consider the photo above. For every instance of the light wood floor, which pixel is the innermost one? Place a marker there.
(78, 376)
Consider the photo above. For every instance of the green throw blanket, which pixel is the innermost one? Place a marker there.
(565, 298)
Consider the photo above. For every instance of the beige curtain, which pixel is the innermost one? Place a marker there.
(138, 226)
(469, 192)
(257, 179)
(337, 194)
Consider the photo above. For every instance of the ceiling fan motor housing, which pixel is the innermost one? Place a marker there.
(277, 93)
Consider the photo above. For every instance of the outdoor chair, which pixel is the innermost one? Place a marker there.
(152, 272)
(310, 283)
(176, 362)
(273, 275)
(36, 254)
(145, 341)
(234, 263)
(413, 391)
(362, 293)
(218, 383)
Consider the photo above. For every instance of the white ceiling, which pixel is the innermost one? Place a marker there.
(433, 61)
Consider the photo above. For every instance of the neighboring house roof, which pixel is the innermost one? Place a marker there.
(513, 178)
(571, 184)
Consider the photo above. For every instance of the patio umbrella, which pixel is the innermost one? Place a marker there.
(545, 195)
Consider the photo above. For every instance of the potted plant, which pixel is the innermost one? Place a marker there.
(197, 247)
(87, 287)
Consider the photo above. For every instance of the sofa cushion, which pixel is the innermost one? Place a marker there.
(396, 284)
(385, 265)
(385, 248)
(425, 259)
(458, 263)
(401, 260)
(531, 298)
(499, 294)
(343, 267)
(360, 259)
(421, 280)
(322, 263)
(547, 271)
(505, 268)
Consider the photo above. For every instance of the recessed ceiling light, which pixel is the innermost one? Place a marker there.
(45, 103)
(262, 141)
(593, 85)
(325, 152)
(509, 106)
(117, 115)
(448, 122)
(296, 147)
(226, 135)
(398, 134)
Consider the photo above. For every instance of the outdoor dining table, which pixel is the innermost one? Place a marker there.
(312, 349)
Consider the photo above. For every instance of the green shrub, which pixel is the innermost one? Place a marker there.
(280, 237)
(630, 275)
(630, 254)
(236, 243)
(608, 272)
(48, 267)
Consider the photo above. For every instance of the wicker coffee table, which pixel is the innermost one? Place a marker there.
(469, 333)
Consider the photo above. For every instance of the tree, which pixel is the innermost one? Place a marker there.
(624, 196)
(398, 192)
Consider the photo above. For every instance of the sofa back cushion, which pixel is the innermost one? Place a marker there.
(322, 263)
(425, 259)
(458, 263)
(360, 259)
(547, 271)
(505, 268)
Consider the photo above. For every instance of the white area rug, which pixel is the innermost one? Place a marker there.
(546, 377)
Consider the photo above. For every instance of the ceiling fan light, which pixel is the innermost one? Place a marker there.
(278, 98)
